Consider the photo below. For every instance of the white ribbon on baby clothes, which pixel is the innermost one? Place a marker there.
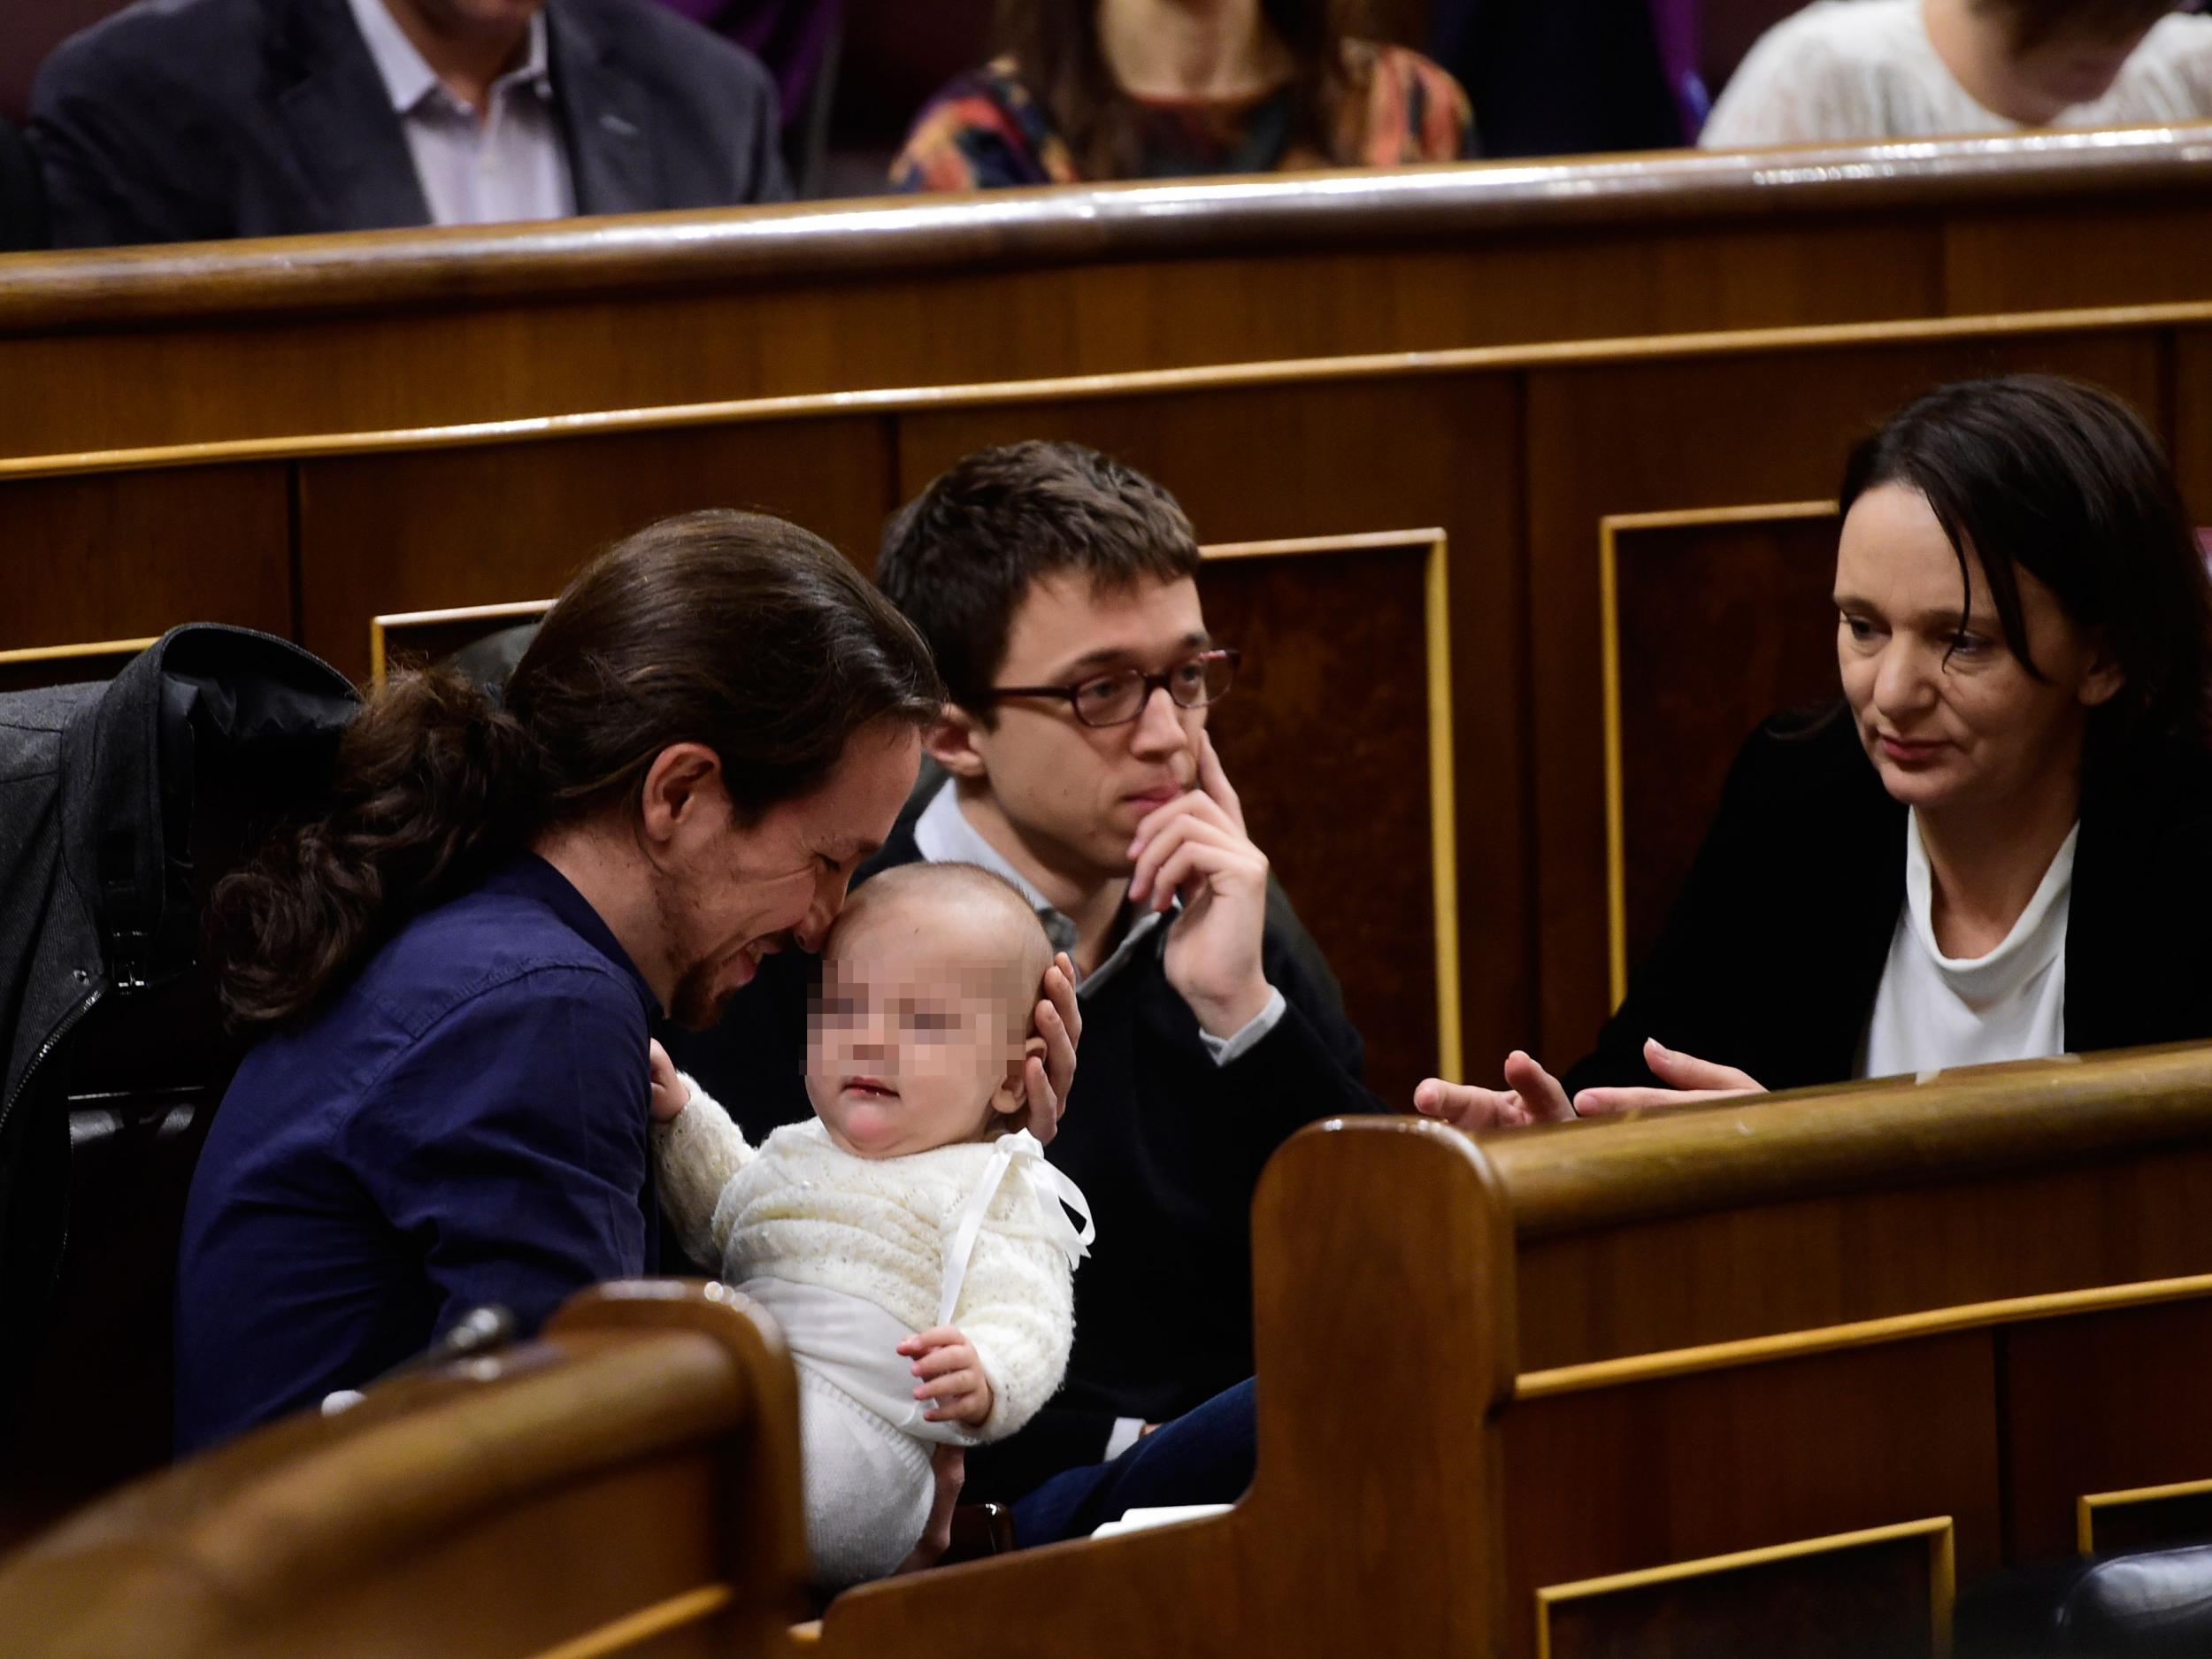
(1022, 1152)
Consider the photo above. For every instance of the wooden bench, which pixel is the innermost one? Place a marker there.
(1767, 1377)
(626, 1485)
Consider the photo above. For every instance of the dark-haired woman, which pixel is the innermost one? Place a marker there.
(1995, 849)
(1100, 90)
(459, 964)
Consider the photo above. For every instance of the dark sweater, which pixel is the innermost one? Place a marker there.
(1772, 957)
(1165, 1144)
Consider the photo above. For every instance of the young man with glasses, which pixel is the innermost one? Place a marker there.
(1057, 590)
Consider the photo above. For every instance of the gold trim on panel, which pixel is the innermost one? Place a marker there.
(378, 626)
(1828, 1339)
(63, 653)
(1136, 382)
(622, 1634)
(1942, 1572)
(1609, 529)
(2086, 1506)
(1443, 813)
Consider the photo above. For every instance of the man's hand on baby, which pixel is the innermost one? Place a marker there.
(1050, 1076)
(670, 1093)
(950, 1377)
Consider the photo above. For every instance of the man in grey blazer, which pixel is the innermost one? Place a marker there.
(190, 121)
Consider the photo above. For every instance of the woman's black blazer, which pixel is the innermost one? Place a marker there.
(1772, 956)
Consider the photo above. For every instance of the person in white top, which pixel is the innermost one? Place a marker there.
(1845, 70)
(1995, 847)
(909, 1240)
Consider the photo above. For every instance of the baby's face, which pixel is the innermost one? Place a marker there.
(917, 1028)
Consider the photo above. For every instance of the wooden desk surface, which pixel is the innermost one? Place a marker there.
(388, 329)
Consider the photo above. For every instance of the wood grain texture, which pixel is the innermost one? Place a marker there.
(387, 329)
(1784, 1605)
(1673, 1471)
(645, 1449)
(431, 529)
(900, 237)
(128, 557)
(1329, 707)
(2112, 1370)
(1717, 626)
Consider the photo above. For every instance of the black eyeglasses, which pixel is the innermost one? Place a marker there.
(1117, 698)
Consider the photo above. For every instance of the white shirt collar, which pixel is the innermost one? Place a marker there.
(2037, 937)
(407, 75)
(943, 835)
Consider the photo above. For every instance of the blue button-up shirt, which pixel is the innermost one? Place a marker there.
(466, 1122)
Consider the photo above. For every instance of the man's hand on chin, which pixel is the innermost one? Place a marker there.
(1195, 846)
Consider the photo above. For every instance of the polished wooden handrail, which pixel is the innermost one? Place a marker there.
(1145, 220)
(1684, 1160)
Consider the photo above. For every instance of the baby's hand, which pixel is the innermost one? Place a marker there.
(952, 1378)
(670, 1092)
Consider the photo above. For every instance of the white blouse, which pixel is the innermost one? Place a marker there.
(1847, 70)
(1934, 1012)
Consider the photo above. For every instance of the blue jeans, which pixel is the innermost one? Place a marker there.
(1203, 1457)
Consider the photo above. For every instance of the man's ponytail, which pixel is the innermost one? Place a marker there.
(434, 785)
(730, 629)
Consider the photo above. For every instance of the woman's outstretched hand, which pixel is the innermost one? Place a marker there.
(1685, 1079)
(1530, 1095)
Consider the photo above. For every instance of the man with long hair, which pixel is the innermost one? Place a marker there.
(459, 963)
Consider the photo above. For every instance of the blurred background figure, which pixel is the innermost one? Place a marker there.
(799, 42)
(195, 121)
(1571, 76)
(1100, 89)
(22, 204)
(1845, 70)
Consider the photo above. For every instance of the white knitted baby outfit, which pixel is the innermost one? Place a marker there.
(854, 1255)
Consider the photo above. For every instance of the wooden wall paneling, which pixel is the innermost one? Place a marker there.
(1672, 587)
(129, 555)
(1258, 463)
(30, 668)
(2027, 257)
(1886, 1590)
(2143, 1517)
(1679, 1282)
(2136, 1377)
(1313, 722)
(1625, 1478)
(426, 529)
(2191, 440)
(1707, 429)
(288, 374)
(384, 329)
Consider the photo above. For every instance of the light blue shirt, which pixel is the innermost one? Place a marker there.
(510, 164)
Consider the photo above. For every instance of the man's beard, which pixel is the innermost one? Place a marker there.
(693, 1004)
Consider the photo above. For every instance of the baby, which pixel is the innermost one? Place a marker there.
(909, 1240)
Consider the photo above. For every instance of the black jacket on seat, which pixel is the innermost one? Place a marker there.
(109, 796)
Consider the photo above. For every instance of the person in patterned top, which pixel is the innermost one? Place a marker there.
(1100, 89)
